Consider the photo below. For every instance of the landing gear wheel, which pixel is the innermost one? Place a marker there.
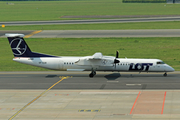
(165, 74)
(92, 74)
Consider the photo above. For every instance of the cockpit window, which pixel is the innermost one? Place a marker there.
(161, 62)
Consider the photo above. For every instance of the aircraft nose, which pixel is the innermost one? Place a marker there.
(170, 69)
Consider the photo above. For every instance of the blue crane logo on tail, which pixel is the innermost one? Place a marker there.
(18, 46)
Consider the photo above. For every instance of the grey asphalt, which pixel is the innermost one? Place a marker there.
(99, 33)
(17, 23)
(107, 33)
(80, 80)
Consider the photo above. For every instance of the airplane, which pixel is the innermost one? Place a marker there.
(96, 62)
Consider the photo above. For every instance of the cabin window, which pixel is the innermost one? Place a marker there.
(160, 62)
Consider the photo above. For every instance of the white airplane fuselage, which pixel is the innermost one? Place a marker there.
(74, 64)
(96, 62)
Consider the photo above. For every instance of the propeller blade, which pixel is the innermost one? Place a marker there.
(116, 61)
(117, 54)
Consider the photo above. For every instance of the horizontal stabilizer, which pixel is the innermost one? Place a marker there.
(14, 35)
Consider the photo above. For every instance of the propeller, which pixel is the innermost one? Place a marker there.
(115, 60)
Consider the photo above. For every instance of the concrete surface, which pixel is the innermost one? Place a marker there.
(85, 104)
(108, 96)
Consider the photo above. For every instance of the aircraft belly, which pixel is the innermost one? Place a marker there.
(76, 68)
(99, 68)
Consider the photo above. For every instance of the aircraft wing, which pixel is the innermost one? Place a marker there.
(96, 56)
(96, 60)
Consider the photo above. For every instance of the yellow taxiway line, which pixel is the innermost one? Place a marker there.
(33, 33)
(62, 78)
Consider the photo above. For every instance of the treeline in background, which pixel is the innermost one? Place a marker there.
(144, 1)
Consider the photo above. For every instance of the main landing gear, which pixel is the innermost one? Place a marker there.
(165, 74)
(92, 74)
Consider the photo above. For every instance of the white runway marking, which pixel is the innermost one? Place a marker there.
(133, 84)
(112, 81)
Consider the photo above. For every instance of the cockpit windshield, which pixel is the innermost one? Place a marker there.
(160, 62)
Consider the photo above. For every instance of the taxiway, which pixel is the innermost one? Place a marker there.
(71, 95)
(96, 33)
(92, 21)
(79, 80)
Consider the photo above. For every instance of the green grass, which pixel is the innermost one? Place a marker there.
(53, 10)
(166, 49)
(107, 26)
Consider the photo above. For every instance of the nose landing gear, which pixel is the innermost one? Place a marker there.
(165, 74)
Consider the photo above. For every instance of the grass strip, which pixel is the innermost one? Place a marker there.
(54, 10)
(166, 49)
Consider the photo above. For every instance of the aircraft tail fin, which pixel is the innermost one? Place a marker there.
(20, 48)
